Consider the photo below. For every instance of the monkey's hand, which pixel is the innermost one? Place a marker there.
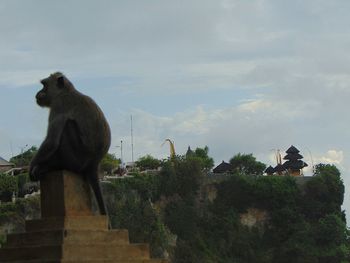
(34, 174)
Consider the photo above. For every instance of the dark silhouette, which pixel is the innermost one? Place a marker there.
(78, 135)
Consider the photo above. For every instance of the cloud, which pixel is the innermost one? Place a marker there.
(333, 157)
(238, 76)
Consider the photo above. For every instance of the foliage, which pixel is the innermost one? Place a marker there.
(147, 162)
(24, 159)
(2, 239)
(130, 207)
(201, 155)
(303, 224)
(247, 164)
(16, 213)
(213, 232)
(23, 183)
(109, 163)
(180, 176)
(8, 186)
(324, 193)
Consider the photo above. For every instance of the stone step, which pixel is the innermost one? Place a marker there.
(72, 222)
(77, 253)
(92, 261)
(58, 237)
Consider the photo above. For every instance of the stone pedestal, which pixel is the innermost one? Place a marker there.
(64, 194)
(68, 232)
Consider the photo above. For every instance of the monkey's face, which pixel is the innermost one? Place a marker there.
(43, 97)
(52, 87)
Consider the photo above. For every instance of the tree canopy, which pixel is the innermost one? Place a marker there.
(202, 155)
(148, 162)
(24, 159)
(247, 164)
(109, 163)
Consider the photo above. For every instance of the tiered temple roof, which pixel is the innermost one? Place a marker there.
(293, 164)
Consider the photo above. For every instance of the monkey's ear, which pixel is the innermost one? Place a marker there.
(60, 82)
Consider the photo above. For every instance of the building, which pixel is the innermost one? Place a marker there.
(293, 164)
(5, 165)
(223, 168)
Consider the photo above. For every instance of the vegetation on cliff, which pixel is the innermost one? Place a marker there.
(304, 224)
(302, 220)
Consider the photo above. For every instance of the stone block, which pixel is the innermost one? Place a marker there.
(64, 193)
(74, 222)
(68, 236)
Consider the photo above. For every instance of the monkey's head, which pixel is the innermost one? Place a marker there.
(53, 86)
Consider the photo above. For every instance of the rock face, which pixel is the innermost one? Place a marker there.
(254, 218)
(69, 232)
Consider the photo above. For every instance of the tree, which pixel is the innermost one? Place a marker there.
(24, 159)
(147, 162)
(324, 193)
(180, 176)
(247, 164)
(8, 186)
(109, 162)
(130, 207)
(201, 154)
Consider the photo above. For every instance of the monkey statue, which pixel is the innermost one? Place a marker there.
(78, 135)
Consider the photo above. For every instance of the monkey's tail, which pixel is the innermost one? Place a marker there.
(94, 182)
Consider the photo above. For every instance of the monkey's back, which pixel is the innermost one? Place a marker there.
(92, 124)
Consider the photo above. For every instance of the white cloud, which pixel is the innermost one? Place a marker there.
(332, 157)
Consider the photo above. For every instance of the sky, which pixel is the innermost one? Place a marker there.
(238, 76)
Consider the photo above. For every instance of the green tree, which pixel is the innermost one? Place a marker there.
(331, 239)
(147, 162)
(8, 186)
(24, 159)
(324, 193)
(181, 176)
(202, 155)
(247, 164)
(130, 206)
(109, 163)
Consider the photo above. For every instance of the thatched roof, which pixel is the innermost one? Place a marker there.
(295, 164)
(270, 170)
(292, 149)
(293, 156)
(279, 168)
(223, 168)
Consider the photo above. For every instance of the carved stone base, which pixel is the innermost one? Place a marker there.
(68, 232)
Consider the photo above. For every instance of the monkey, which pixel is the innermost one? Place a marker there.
(78, 134)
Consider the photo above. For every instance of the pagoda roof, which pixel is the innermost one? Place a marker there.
(270, 170)
(223, 168)
(293, 156)
(294, 164)
(292, 149)
(279, 168)
(189, 152)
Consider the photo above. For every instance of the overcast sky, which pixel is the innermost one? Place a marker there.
(238, 76)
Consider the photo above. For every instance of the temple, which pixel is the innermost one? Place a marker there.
(293, 164)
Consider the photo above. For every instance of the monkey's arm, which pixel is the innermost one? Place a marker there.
(50, 145)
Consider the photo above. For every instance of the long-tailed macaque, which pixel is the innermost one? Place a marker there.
(78, 135)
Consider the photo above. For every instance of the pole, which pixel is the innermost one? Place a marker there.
(132, 141)
(121, 151)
